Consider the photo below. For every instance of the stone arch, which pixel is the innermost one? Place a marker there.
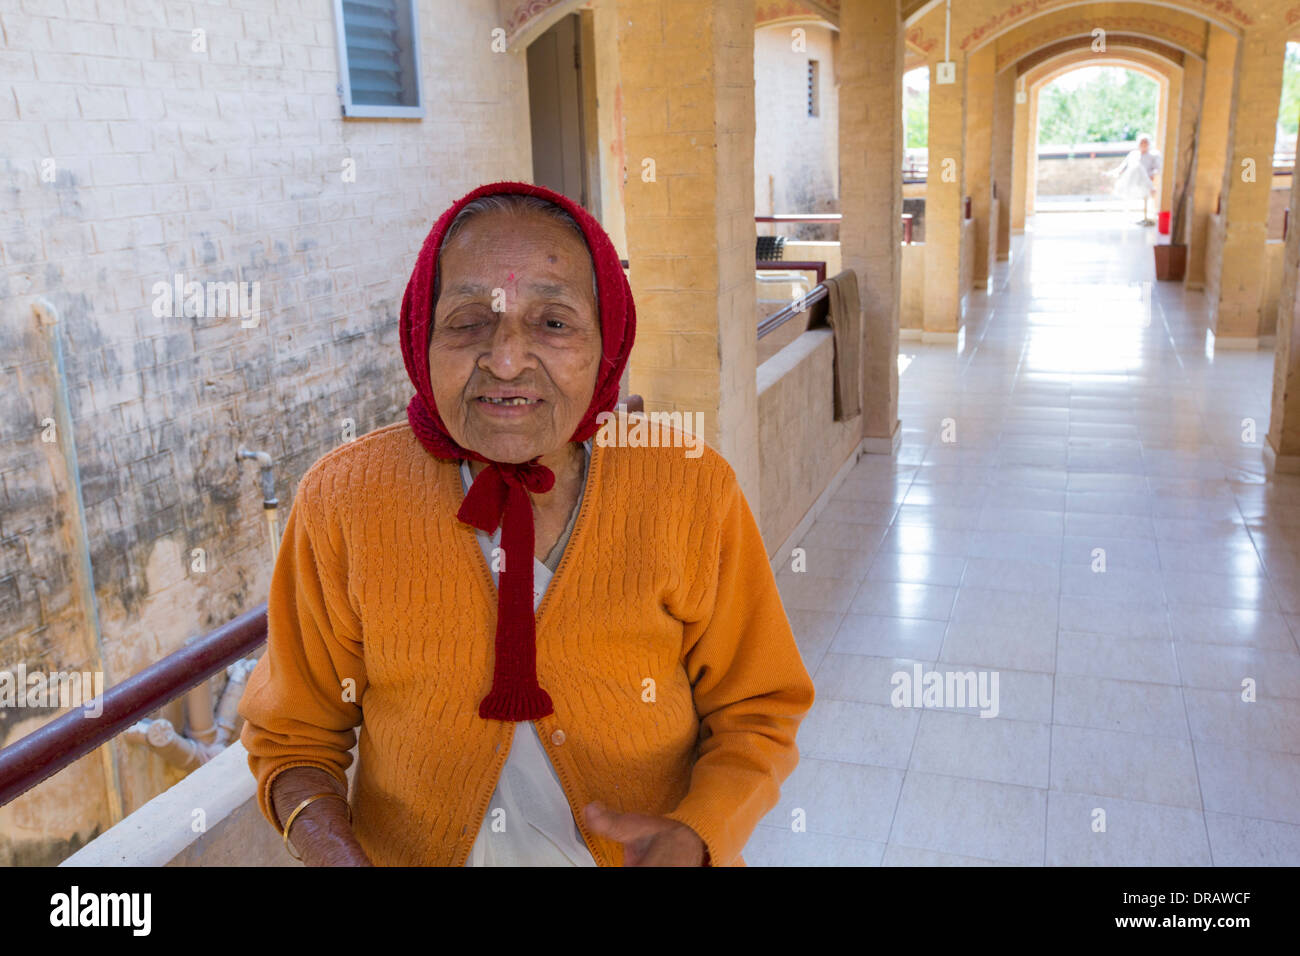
(526, 20)
(825, 12)
(1177, 30)
(1167, 74)
(1120, 41)
(1001, 17)
(1159, 68)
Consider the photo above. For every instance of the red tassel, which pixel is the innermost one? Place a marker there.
(498, 497)
(521, 703)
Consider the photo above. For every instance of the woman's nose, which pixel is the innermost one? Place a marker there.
(509, 350)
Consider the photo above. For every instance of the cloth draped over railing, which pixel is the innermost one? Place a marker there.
(845, 319)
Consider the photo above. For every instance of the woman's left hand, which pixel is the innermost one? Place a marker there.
(647, 840)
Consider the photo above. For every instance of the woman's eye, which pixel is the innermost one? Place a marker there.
(467, 321)
(555, 323)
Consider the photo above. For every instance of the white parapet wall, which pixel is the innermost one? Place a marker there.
(803, 449)
(807, 250)
(210, 818)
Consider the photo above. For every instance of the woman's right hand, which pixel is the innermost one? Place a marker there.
(321, 834)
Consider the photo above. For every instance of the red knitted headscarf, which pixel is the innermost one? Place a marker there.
(499, 495)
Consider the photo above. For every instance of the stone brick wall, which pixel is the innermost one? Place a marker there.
(912, 307)
(1077, 176)
(128, 158)
(801, 443)
(796, 156)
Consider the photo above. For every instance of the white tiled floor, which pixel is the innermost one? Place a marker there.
(1088, 414)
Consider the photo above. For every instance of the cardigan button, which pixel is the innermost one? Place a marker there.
(557, 738)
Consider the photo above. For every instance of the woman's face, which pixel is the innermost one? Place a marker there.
(516, 322)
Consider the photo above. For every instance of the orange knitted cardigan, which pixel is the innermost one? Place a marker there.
(677, 684)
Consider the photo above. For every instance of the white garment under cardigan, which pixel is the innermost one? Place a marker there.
(539, 829)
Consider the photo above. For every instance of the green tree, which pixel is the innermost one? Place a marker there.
(916, 109)
(917, 122)
(1115, 105)
(1288, 116)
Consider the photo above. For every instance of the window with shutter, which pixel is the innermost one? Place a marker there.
(378, 57)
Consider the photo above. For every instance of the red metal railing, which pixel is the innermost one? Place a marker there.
(796, 265)
(801, 217)
(777, 319)
(834, 217)
(44, 752)
(767, 265)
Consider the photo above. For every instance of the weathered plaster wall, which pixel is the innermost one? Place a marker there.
(224, 164)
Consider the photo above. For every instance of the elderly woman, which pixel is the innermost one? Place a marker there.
(559, 652)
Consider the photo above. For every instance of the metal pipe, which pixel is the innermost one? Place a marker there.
(272, 533)
(178, 751)
(48, 317)
(269, 502)
(228, 710)
(199, 714)
(947, 31)
(196, 747)
(50, 748)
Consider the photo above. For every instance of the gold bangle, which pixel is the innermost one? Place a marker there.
(298, 809)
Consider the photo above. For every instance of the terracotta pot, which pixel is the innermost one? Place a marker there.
(1171, 261)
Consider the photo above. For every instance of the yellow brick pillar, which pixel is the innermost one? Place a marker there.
(1284, 422)
(1171, 102)
(1211, 148)
(871, 198)
(1020, 157)
(944, 194)
(1240, 274)
(1031, 149)
(688, 105)
(980, 73)
(1004, 141)
(1189, 121)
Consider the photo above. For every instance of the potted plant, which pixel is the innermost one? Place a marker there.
(1171, 257)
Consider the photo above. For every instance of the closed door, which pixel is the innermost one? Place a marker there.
(555, 107)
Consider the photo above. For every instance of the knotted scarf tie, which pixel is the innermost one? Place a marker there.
(500, 496)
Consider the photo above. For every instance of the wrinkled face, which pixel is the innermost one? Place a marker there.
(515, 346)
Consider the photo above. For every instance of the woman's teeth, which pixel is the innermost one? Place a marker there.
(509, 401)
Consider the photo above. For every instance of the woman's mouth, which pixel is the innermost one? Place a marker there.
(509, 400)
(507, 407)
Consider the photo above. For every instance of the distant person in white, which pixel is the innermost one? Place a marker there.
(1135, 177)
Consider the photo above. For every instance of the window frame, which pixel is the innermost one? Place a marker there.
(352, 110)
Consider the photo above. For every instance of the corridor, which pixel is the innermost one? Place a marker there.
(1074, 510)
